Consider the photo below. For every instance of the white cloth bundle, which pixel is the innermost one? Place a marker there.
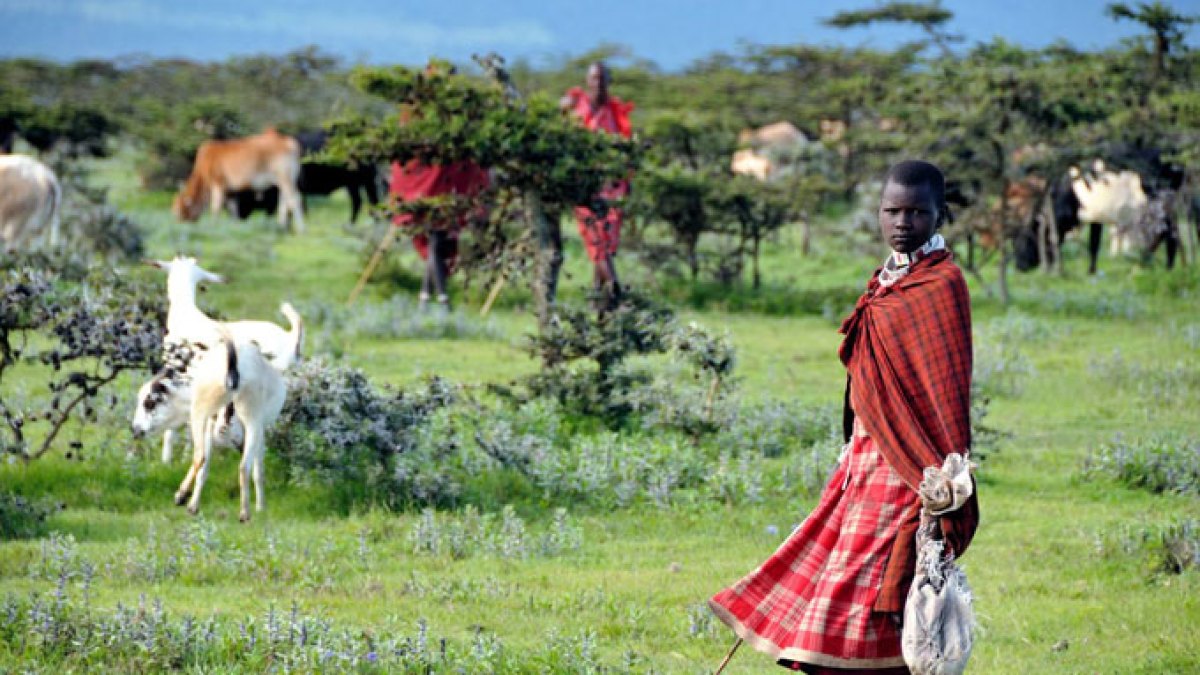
(939, 621)
(948, 488)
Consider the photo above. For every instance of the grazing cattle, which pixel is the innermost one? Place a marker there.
(1100, 197)
(29, 202)
(1138, 204)
(765, 149)
(269, 159)
(1113, 198)
(316, 178)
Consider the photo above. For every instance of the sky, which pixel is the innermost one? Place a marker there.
(671, 33)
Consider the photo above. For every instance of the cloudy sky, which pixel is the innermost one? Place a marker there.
(670, 32)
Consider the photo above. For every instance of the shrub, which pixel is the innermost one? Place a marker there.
(1172, 548)
(21, 518)
(1001, 369)
(1161, 463)
(91, 223)
(86, 326)
(586, 369)
(337, 429)
(773, 428)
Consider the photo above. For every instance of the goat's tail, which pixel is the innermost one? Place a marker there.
(232, 376)
(297, 330)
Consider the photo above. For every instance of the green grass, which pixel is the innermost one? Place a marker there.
(1039, 578)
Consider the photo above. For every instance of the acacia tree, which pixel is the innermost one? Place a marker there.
(929, 17)
(849, 86)
(1001, 116)
(542, 161)
(1167, 29)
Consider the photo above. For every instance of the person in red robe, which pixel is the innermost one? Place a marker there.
(599, 111)
(439, 247)
(438, 244)
(830, 599)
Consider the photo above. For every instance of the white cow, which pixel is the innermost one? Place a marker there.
(29, 202)
(1112, 198)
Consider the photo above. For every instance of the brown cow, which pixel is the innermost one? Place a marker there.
(255, 162)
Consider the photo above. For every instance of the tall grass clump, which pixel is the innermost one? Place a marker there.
(1159, 463)
(1098, 304)
(22, 518)
(63, 631)
(1171, 548)
(1165, 384)
(397, 318)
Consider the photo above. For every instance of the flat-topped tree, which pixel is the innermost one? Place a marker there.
(1167, 28)
(930, 17)
(541, 160)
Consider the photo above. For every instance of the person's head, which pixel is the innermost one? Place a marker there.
(597, 80)
(913, 204)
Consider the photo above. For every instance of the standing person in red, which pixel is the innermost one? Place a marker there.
(600, 111)
(831, 597)
(438, 244)
(438, 248)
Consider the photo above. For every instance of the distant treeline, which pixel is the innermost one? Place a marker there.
(992, 114)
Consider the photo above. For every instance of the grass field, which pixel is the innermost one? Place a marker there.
(1064, 567)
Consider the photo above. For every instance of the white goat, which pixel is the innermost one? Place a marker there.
(187, 323)
(238, 374)
(164, 404)
(165, 401)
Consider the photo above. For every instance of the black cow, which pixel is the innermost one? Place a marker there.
(316, 178)
(8, 134)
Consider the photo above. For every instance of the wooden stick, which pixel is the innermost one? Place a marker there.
(732, 651)
(495, 293)
(384, 245)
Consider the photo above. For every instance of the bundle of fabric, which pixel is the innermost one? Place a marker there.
(939, 621)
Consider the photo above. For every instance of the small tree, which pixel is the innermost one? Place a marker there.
(1167, 29)
(86, 328)
(542, 161)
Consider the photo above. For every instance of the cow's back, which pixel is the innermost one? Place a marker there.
(29, 196)
(253, 162)
(1109, 197)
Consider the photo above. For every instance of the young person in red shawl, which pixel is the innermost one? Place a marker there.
(600, 111)
(831, 597)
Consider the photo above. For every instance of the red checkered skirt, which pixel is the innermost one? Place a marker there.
(811, 602)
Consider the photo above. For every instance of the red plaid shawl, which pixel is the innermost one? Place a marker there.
(908, 353)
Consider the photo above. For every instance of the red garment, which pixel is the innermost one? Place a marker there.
(811, 601)
(826, 597)
(908, 353)
(415, 180)
(602, 236)
(612, 117)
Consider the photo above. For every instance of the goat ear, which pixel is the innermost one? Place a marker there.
(160, 264)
